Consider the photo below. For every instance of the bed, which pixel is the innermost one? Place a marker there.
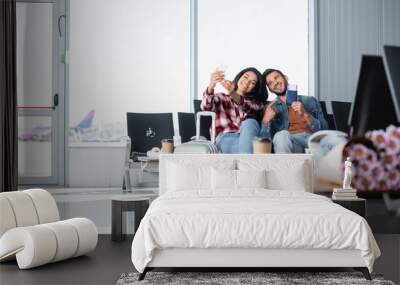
(243, 211)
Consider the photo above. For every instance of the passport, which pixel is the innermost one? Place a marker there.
(291, 94)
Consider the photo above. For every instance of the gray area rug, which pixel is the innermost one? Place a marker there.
(225, 278)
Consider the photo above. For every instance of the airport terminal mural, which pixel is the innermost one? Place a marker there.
(87, 130)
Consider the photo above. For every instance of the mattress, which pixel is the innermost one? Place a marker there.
(251, 219)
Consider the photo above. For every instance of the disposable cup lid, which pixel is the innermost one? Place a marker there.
(258, 139)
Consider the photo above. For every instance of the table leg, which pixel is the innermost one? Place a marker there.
(127, 181)
(116, 221)
(140, 211)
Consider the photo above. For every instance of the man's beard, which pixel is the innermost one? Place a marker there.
(283, 93)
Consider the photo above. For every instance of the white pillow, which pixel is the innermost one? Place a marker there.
(291, 179)
(181, 177)
(187, 175)
(223, 179)
(251, 178)
(283, 173)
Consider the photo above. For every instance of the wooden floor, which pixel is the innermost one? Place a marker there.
(103, 266)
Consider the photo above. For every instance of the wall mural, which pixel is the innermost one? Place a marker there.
(88, 131)
(85, 131)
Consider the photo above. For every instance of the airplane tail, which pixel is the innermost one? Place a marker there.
(87, 121)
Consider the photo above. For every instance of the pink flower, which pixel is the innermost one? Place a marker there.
(357, 182)
(359, 151)
(371, 156)
(377, 171)
(393, 131)
(393, 178)
(364, 182)
(379, 138)
(390, 161)
(383, 185)
(393, 145)
(363, 168)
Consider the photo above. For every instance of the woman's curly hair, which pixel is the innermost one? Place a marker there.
(259, 92)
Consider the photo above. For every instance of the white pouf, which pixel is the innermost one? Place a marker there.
(31, 232)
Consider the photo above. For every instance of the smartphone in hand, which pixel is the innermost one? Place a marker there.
(291, 94)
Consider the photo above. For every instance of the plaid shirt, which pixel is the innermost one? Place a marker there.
(229, 114)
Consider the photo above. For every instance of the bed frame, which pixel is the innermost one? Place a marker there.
(240, 259)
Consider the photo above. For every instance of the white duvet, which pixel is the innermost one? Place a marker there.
(250, 219)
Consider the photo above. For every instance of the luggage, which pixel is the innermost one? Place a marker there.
(200, 145)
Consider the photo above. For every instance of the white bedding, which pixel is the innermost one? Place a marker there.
(250, 219)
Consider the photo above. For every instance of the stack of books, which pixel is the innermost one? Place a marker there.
(344, 194)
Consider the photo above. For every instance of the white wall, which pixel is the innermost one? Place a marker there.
(102, 165)
(258, 33)
(128, 56)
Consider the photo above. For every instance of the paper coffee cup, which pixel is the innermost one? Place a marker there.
(167, 146)
(261, 146)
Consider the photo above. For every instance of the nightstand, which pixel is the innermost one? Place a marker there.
(128, 202)
(357, 205)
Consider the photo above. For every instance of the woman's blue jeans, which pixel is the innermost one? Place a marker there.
(241, 142)
(283, 141)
